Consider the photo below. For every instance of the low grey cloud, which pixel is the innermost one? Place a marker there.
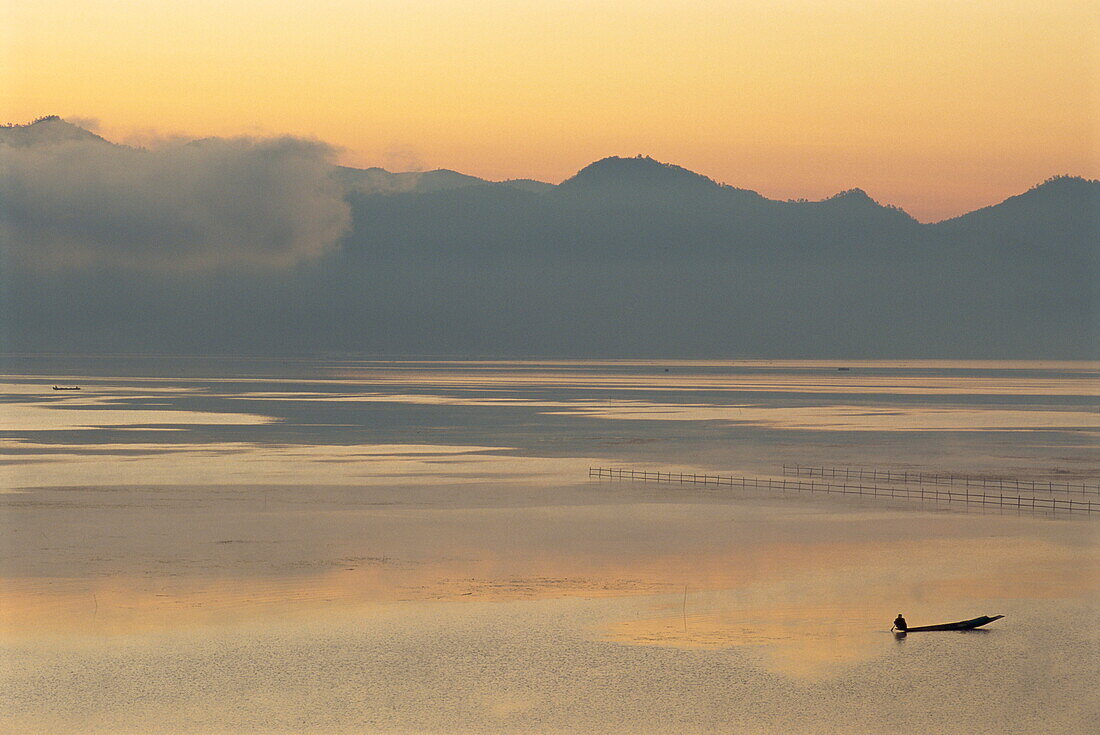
(402, 158)
(88, 123)
(69, 199)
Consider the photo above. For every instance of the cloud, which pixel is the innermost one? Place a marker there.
(88, 123)
(75, 200)
(402, 158)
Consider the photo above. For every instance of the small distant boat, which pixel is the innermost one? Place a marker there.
(961, 625)
(66, 387)
(843, 369)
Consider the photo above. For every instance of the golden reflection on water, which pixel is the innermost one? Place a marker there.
(807, 609)
(801, 641)
(97, 414)
(251, 463)
(814, 623)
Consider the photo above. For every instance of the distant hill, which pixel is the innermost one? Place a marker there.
(1059, 214)
(45, 131)
(638, 173)
(628, 257)
(1057, 199)
(531, 185)
(381, 181)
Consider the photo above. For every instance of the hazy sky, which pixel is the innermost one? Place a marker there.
(938, 107)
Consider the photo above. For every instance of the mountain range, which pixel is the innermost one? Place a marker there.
(628, 257)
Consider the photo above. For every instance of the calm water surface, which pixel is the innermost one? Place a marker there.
(198, 545)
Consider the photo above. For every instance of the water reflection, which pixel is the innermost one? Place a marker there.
(249, 463)
(810, 593)
(416, 540)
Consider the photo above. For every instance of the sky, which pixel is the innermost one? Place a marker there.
(937, 107)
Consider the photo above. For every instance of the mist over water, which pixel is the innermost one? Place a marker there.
(197, 545)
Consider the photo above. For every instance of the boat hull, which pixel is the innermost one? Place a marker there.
(961, 625)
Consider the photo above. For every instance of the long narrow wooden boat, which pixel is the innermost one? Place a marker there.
(961, 625)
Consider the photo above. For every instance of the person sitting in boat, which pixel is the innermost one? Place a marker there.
(899, 623)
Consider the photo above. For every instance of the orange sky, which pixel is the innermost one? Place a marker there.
(938, 107)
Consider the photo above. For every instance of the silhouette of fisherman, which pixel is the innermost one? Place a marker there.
(900, 624)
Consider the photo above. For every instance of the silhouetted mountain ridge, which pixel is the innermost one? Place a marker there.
(1060, 215)
(376, 180)
(1057, 196)
(624, 177)
(47, 130)
(639, 171)
(628, 257)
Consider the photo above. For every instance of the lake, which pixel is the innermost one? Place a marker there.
(201, 545)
